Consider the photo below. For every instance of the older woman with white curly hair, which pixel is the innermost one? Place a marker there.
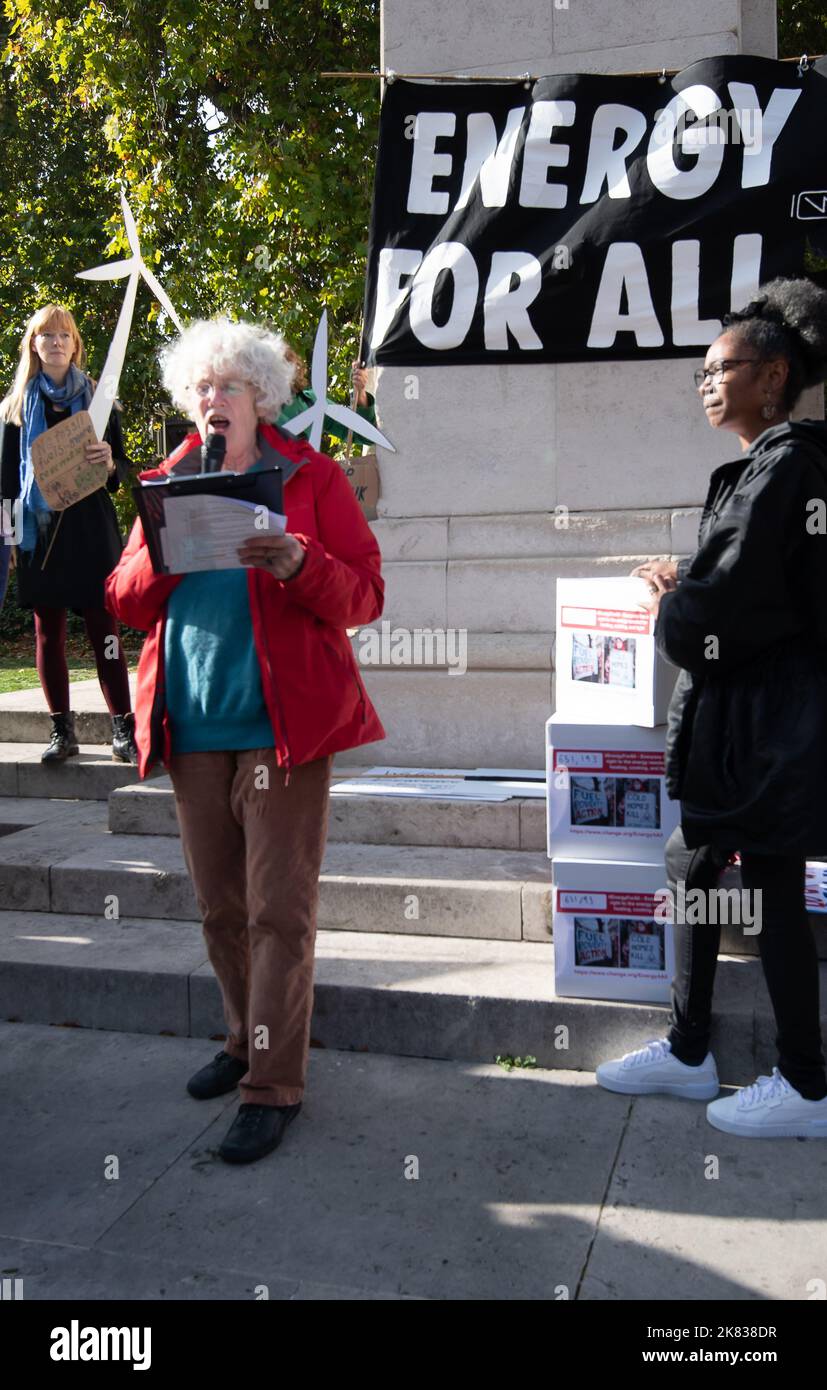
(247, 687)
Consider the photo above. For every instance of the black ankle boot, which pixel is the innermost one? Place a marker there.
(63, 743)
(124, 748)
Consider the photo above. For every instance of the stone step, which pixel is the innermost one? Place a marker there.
(24, 714)
(463, 1000)
(61, 858)
(148, 808)
(93, 775)
(90, 776)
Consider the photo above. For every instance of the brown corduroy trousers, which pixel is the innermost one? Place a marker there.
(254, 850)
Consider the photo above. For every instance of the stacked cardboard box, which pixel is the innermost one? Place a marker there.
(609, 815)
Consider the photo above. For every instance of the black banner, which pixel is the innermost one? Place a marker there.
(589, 217)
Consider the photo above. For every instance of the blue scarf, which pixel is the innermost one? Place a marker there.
(76, 392)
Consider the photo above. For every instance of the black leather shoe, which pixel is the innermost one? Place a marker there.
(256, 1131)
(124, 748)
(221, 1075)
(63, 743)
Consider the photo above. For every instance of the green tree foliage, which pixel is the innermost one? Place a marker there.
(802, 28)
(249, 175)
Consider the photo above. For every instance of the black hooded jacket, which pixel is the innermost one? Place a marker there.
(746, 742)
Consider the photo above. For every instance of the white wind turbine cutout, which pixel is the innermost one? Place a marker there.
(342, 414)
(107, 387)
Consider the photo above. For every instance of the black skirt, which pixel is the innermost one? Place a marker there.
(87, 541)
(87, 548)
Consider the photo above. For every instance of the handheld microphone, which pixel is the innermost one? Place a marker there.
(212, 453)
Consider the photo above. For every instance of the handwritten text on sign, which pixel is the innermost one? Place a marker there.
(59, 459)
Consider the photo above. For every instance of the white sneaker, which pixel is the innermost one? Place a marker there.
(770, 1109)
(654, 1070)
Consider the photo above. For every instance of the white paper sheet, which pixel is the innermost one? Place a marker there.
(414, 772)
(465, 784)
(433, 788)
(203, 531)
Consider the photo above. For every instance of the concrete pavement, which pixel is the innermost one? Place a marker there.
(531, 1185)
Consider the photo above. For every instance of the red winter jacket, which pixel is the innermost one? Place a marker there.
(312, 688)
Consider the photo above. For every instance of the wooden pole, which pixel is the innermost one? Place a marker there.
(52, 541)
(391, 76)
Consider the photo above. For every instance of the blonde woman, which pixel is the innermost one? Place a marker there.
(83, 542)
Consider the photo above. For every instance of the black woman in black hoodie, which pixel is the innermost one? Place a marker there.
(746, 750)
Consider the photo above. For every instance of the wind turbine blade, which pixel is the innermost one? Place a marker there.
(161, 295)
(129, 223)
(300, 422)
(113, 270)
(351, 421)
(107, 387)
(318, 366)
(314, 439)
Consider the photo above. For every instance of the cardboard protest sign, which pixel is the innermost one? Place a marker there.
(363, 476)
(59, 460)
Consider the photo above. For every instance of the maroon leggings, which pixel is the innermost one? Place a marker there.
(50, 632)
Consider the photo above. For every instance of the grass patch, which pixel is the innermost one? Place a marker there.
(14, 677)
(18, 671)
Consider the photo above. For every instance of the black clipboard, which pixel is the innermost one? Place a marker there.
(264, 487)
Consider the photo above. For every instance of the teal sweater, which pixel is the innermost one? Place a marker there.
(213, 683)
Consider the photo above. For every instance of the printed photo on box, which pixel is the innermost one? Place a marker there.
(596, 942)
(592, 800)
(603, 660)
(619, 662)
(815, 888)
(620, 802)
(642, 946)
(586, 654)
(618, 943)
(638, 803)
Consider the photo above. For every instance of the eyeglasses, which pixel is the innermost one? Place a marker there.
(203, 389)
(715, 372)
